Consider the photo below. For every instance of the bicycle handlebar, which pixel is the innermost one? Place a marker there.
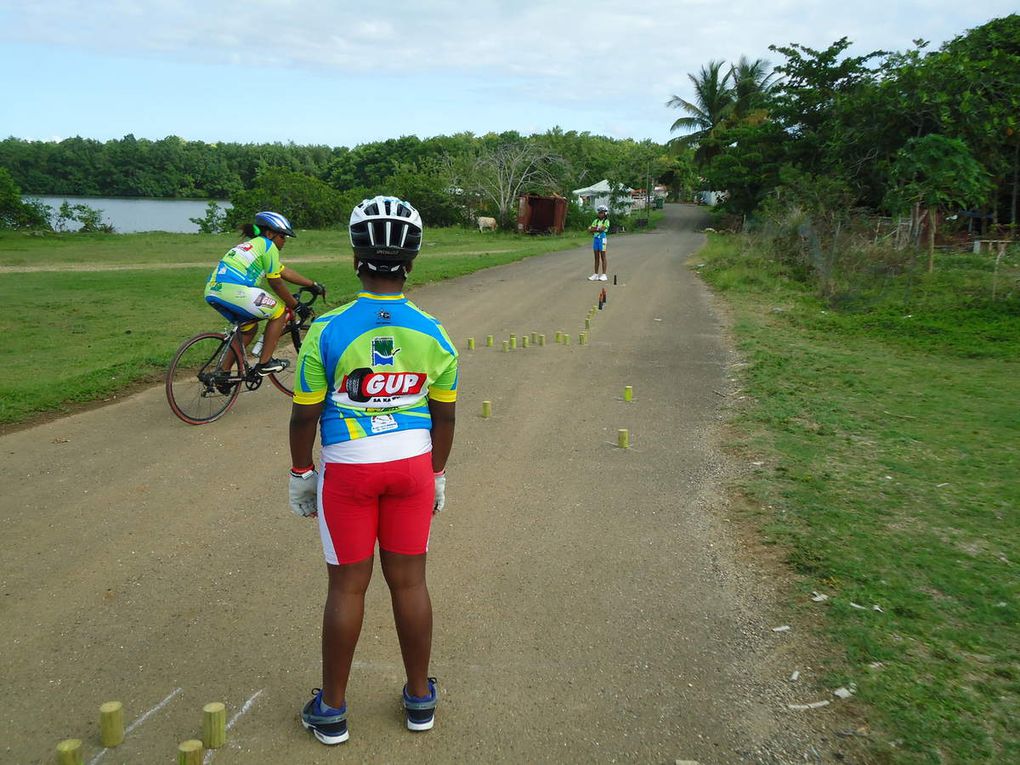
(305, 291)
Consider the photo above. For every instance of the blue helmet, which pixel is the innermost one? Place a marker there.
(273, 221)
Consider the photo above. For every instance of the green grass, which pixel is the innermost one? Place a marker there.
(891, 437)
(76, 336)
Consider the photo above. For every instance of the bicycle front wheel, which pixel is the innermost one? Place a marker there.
(204, 379)
(287, 349)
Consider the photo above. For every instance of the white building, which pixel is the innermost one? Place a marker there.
(601, 193)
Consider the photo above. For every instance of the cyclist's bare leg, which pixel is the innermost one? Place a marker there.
(412, 613)
(248, 334)
(341, 626)
(602, 255)
(273, 331)
(230, 358)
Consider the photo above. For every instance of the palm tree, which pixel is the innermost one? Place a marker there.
(752, 82)
(713, 99)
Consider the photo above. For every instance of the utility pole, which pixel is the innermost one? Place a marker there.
(648, 190)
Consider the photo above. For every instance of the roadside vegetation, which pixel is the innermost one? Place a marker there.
(882, 347)
(884, 420)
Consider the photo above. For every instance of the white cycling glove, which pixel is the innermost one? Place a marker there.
(440, 501)
(304, 493)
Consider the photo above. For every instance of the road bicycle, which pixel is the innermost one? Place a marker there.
(210, 370)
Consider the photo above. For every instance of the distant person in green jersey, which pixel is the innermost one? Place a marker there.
(234, 287)
(379, 377)
(600, 228)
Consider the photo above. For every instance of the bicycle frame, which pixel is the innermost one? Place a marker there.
(231, 345)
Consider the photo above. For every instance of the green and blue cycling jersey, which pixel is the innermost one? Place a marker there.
(374, 363)
(247, 263)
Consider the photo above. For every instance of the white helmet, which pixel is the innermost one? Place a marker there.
(385, 229)
(602, 208)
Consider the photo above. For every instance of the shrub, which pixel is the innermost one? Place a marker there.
(213, 222)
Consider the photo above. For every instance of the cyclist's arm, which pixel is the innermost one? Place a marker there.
(443, 421)
(294, 277)
(304, 419)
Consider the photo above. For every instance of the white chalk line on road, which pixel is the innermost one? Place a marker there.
(138, 722)
(230, 724)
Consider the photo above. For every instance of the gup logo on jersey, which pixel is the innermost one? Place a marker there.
(364, 385)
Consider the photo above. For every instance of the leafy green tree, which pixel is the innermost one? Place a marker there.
(931, 173)
(973, 86)
(804, 101)
(749, 166)
(427, 185)
(679, 173)
(307, 202)
(14, 213)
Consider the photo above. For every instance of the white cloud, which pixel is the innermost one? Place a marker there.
(566, 58)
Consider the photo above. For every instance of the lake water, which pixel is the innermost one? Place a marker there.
(128, 216)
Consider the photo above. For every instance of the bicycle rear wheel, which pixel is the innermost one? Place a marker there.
(287, 349)
(201, 384)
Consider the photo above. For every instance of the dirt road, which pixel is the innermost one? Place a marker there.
(592, 603)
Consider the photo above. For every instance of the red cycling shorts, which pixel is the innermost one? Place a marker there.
(388, 501)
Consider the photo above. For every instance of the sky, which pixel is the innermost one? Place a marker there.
(342, 73)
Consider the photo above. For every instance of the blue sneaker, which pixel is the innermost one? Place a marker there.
(329, 725)
(421, 710)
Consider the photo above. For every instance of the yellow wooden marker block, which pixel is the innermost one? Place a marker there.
(587, 323)
(524, 341)
(189, 752)
(623, 438)
(566, 339)
(69, 752)
(488, 341)
(513, 341)
(486, 409)
(541, 340)
(559, 336)
(111, 723)
(506, 346)
(582, 339)
(214, 725)
(471, 343)
(534, 338)
(628, 393)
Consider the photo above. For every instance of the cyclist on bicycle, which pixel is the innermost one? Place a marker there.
(233, 288)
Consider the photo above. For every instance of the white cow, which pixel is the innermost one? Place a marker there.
(486, 224)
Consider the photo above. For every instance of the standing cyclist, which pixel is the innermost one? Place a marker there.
(381, 376)
(233, 288)
(600, 228)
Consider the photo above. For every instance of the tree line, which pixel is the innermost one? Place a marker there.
(450, 178)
